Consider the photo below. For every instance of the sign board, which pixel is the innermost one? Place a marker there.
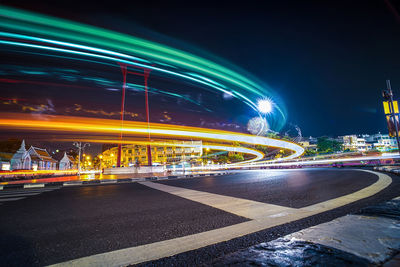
(387, 109)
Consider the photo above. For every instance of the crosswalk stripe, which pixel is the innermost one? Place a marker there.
(11, 199)
(16, 195)
(27, 191)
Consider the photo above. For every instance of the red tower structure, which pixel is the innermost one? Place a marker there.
(145, 75)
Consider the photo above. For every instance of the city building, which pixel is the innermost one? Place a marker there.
(308, 145)
(355, 143)
(162, 154)
(21, 160)
(5, 161)
(67, 162)
(41, 159)
(382, 142)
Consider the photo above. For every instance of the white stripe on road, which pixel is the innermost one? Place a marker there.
(14, 195)
(11, 199)
(383, 182)
(17, 195)
(26, 191)
(238, 206)
(154, 251)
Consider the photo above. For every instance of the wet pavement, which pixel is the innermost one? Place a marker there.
(287, 253)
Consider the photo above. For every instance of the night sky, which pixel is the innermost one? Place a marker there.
(327, 60)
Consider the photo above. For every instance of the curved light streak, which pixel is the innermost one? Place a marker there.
(103, 126)
(47, 32)
(257, 154)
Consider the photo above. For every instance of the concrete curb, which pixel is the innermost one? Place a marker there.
(370, 237)
(388, 169)
(105, 182)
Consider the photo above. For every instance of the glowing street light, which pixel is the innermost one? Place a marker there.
(264, 106)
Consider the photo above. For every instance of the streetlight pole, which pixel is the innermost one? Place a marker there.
(80, 148)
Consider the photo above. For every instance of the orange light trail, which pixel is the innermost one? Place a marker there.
(38, 172)
(54, 123)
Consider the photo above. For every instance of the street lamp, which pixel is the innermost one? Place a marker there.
(264, 105)
(80, 148)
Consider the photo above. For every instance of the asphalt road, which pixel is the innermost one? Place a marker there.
(291, 188)
(73, 222)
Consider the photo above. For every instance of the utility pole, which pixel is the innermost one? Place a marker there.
(80, 148)
(388, 96)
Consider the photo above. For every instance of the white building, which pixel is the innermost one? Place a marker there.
(21, 160)
(66, 163)
(382, 142)
(41, 159)
(355, 143)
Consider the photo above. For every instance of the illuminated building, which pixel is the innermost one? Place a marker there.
(67, 162)
(21, 160)
(5, 159)
(41, 159)
(355, 143)
(167, 153)
(382, 142)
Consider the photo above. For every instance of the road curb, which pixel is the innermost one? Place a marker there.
(387, 169)
(105, 182)
(369, 237)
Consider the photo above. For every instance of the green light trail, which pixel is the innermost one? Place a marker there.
(63, 36)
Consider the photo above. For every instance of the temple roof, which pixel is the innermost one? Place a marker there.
(41, 153)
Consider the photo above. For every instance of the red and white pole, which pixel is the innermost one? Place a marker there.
(146, 76)
(123, 68)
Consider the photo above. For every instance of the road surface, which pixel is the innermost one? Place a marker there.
(55, 225)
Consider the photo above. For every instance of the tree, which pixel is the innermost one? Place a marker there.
(310, 152)
(223, 159)
(10, 146)
(328, 145)
(272, 135)
(263, 149)
(236, 157)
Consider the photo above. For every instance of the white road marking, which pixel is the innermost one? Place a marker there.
(14, 195)
(20, 194)
(26, 191)
(11, 199)
(238, 206)
(154, 251)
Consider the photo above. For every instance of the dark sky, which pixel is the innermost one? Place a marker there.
(328, 60)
